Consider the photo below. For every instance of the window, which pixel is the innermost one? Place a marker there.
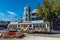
(37, 19)
(33, 19)
(18, 25)
(33, 14)
(30, 25)
(26, 19)
(44, 25)
(26, 15)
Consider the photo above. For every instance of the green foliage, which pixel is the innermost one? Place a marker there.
(49, 11)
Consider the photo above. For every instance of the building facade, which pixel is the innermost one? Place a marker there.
(34, 15)
(30, 16)
(26, 13)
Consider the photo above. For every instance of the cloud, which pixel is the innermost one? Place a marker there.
(2, 14)
(12, 13)
(10, 16)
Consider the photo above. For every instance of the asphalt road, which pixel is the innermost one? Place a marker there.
(36, 36)
(46, 35)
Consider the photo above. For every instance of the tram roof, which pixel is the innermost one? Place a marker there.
(34, 23)
(29, 22)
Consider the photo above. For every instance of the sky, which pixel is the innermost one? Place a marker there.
(14, 9)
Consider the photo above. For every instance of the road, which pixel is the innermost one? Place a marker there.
(37, 37)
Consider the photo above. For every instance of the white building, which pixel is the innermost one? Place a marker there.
(30, 16)
(26, 13)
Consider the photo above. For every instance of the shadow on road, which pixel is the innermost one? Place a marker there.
(45, 33)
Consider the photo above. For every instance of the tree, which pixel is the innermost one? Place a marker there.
(40, 13)
(48, 10)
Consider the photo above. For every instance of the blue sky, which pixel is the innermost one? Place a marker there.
(14, 9)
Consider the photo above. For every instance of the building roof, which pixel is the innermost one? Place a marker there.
(34, 11)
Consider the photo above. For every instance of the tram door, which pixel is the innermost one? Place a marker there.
(24, 28)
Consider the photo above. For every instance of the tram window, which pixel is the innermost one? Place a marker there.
(15, 26)
(18, 25)
(48, 25)
(30, 25)
(10, 25)
(40, 25)
(22, 25)
(43, 25)
(37, 26)
(34, 26)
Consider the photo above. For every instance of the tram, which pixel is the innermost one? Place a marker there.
(32, 27)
